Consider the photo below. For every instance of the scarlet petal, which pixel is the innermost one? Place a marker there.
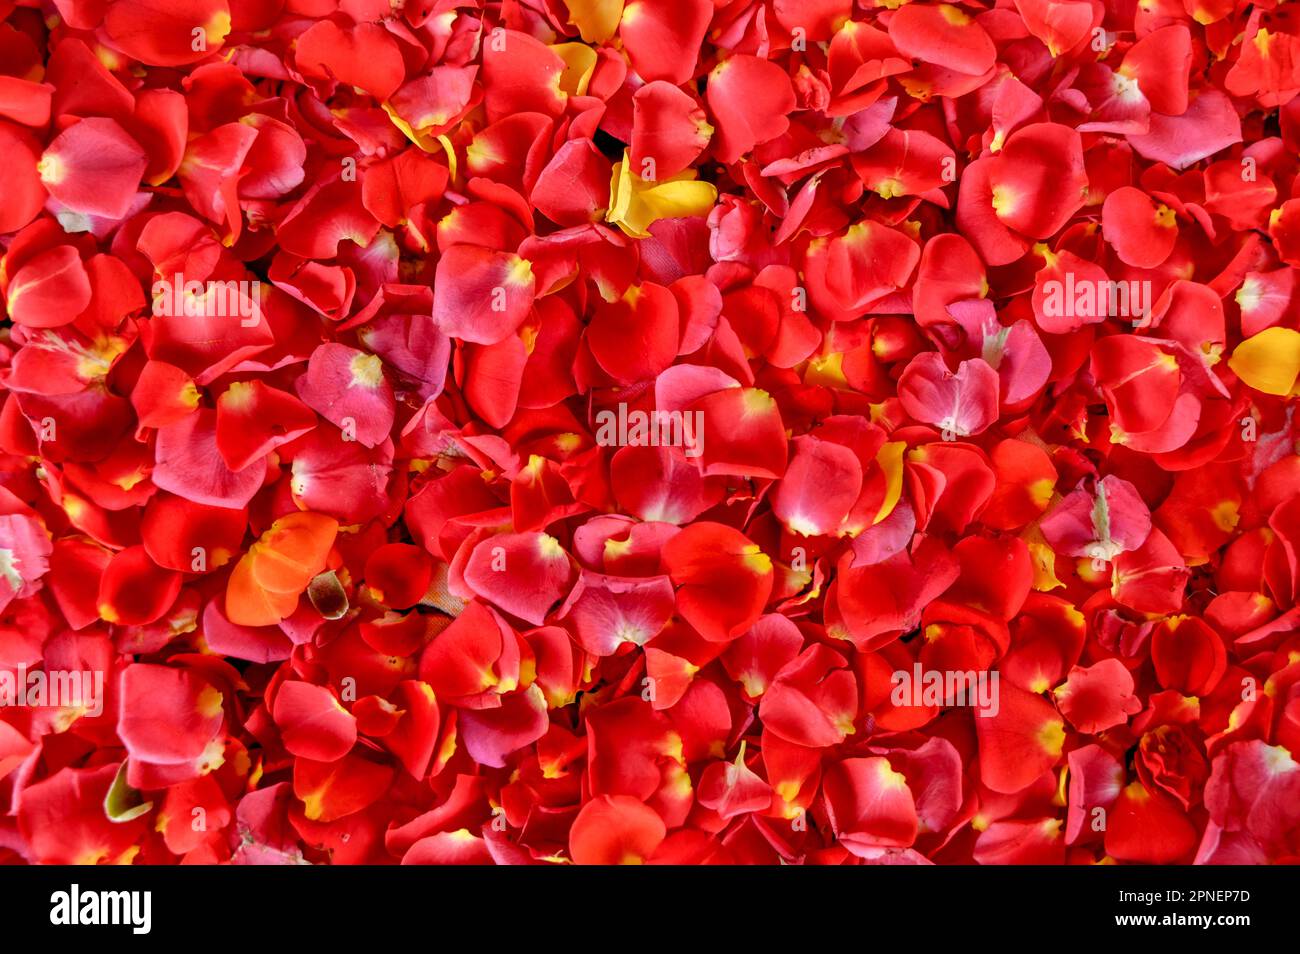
(1027, 191)
(860, 268)
(1253, 787)
(398, 574)
(340, 477)
(460, 847)
(615, 830)
(1209, 125)
(1188, 655)
(1141, 231)
(22, 194)
(664, 44)
(732, 789)
(658, 484)
(942, 34)
(190, 464)
(743, 433)
(521, 74)
(813, 700)
(756, 657)
(62, 819)
(162, 34)
(1147, 826)
(491, 735)
(669, 129)
(134, 590)
(349, 389)
(50, 290)
(365, 56)
(1020, 742)
(1098, 697)
(960, 404)
(750, 99)
(996, 575)
(481, 295)
(723, 579)
(573, 189)
(1161, 62)
(94, 167)
(414, 739)
(1060, 25)
(525, 574)
(819, 488)
(636, 337)
(878, 601)
(334, 790)
(312, 722)
(608, 611)
(477, 652)
(254, 419)
(1096, 778)
(325, 217)
(168, 715)
(870, 805)
(211, 170)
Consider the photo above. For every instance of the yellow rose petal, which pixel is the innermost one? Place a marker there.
(1269, 361)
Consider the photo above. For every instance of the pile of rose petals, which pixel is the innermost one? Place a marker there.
(317, 316)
